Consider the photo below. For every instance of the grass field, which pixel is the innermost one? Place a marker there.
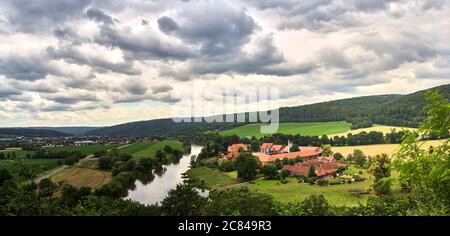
(37, 166)
(379, 128)
(211, 178)
(135, 147)
(315, 128)
(149, 149)
(83, 177)
(338, 195)
(19, 152)
(86, 150)
(379, 148)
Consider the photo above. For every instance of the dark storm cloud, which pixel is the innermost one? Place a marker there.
(372, 5)
(7, 92)
(218, 29)
(167, 24)
(37, 15)
(161, 89)
(135, 88)
(144, 46)
(99, 16)
(34, 86)
(320, 15)
(71, 55)
(26, 68)
(265, 60)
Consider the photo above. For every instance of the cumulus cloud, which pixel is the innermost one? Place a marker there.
(36, 15)
(99, 16)
(73, 59)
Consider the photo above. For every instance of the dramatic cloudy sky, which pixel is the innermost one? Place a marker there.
(103, 62)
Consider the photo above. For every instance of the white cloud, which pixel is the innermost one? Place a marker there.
(94, 62)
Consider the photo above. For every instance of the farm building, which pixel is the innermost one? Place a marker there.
(323, 167)
(306, 153)
(234, 148)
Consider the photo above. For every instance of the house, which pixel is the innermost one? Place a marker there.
(233, 151)
(270, 148)
(234, 148)
(266, 148)
(323, 167)
(306, 153)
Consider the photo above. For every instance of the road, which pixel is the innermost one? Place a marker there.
(55, 171)
(50, 173)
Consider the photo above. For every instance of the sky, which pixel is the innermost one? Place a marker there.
(105, 62)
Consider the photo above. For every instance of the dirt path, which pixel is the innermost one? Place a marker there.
(58, 169)
(50, 173)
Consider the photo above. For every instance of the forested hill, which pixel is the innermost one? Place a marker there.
(400, 110)
(29, 132)
(77, 131)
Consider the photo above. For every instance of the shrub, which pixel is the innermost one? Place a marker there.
(312, 180)
(227, 166)
(70, 161)
(335, 182)
(322, 182)
(270, 171)
(358, 178)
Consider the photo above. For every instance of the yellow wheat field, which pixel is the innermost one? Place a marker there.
(380, 148)
(379, 128)
(83, 177)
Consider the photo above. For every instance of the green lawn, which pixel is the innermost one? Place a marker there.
(293, 191)
(149, 149)
(135, 147)
(315, 128)
(86, 150)
(37, 165)
(211, 178)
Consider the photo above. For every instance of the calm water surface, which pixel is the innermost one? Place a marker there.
(158, 189)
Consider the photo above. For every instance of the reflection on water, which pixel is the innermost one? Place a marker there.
(156, 190)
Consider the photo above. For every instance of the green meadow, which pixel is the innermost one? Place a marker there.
(19, 152)
(292, 191)
(210, 178)
(86, 150)
(149, 149)
(310, 129)
(36, 165)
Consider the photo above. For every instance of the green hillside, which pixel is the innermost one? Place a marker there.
(310, 129)
(149, 149)
(395, 110)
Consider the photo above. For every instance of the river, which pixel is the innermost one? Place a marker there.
(157, 190)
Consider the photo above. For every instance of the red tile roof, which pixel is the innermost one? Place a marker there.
(237, 146)
(232, 155)
(310, 151)
(322, 167)
(266, 145)
(277, 148)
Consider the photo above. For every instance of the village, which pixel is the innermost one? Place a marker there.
(302, 160)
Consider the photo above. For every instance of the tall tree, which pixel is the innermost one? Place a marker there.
(425, 174)
(246, 165)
